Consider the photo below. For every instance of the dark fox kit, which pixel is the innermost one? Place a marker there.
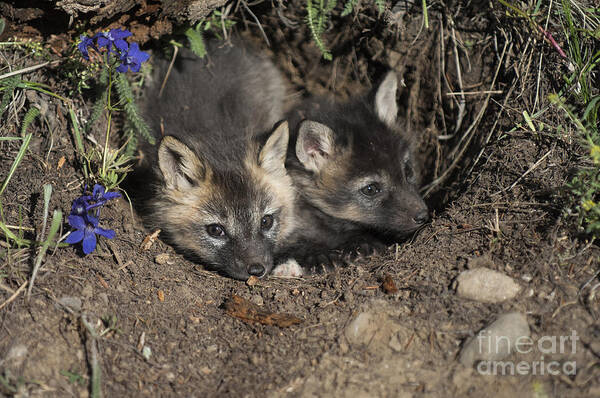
(222, 193)
(354, 174)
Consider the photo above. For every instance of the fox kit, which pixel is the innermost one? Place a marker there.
(222, 194)
(354, 174)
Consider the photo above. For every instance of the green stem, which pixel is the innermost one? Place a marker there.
(109, 109)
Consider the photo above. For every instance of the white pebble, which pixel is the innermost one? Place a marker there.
(486, 285)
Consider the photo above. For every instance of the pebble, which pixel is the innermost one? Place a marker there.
(72, 303)
(496, 341)
(103, 298)
(486, 285)
(257, 299)
(527, 277)
(361, 328)
(161, 259)
(16, 355)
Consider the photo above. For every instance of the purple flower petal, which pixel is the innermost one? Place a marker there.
(89, 241)
(102, 41)
(76, 222)
(111, 195)
(122, 68)
(93, 221)
(83, 46)
(136, 53)
(75, 236)
(132, 59)
(107, 233)
(121, 45)
(119, 34)
(98, 190)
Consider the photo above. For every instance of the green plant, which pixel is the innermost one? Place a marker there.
(318, 14)
(580, 101)
(110, 166)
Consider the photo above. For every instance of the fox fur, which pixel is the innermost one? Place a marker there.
(354, 173)
(221, 193)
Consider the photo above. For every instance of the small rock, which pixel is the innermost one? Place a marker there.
(253, 280)
(343, 348)
(87, 291)
(104, 298)
(255, 360)
(496, 341)
(362, 325)
(257, 299)
(146, 353)
(212, 348)
(527, 277)
(170, 376)
(72, 303)
(486, 285)
(395, 344)
(161, 259)
(373, 330)
(16, 355)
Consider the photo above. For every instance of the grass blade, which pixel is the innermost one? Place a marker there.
(56, 222)
(16, 162)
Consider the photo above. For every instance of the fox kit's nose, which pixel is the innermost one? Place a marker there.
(422, 217)
(256, 270)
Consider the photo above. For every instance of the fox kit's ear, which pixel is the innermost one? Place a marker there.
(180, 167)
(386, 106)
(272, 155)
(315, 145)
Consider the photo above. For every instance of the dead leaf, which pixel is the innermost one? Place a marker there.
(253, 280)
(61, 162)
(243, 309)
(102, 282)
(388, 285)
(149, 240)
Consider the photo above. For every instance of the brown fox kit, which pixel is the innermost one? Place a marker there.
(222, 194)
(354, 174)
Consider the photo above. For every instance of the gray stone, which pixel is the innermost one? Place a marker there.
(486, 285)
(496, 341)
(72, 303)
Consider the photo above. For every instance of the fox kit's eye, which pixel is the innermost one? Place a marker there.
(371, 190)
(266, 222)
(215, 230)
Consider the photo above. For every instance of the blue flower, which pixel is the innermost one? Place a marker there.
(113, 38)
(80, 206)
(86, 229)
(99, 194)
(132, 59)
(83, 46)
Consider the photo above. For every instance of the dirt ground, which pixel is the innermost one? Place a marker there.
(497, 206)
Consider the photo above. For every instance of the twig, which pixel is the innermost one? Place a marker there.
(28, 69)
(428, 188)
(462, 93)
(164, 83)
(14, 296)
(535, 165)
(257, 22)
(461, 102)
